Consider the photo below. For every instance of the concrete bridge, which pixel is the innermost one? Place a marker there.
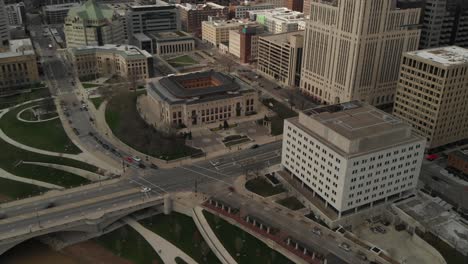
(77, 221)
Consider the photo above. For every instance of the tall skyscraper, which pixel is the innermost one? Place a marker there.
(4, 34)
(443, 22)
(432, 94)
(353, 49)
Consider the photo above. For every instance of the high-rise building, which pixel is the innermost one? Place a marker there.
(280, 57)
(306, 8)
(351, 156)
(93, 24)
(56, 14)
(443, 22)
(4, 33)
(241, 11)
(217, 31)
(243, 42)
(432, 94)
(16, 14)
(192, 15)
(152, 18)
(353, 49)
(295, 5)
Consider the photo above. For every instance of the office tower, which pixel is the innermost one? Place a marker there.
(192, 15)
(152, 18)
(93, 24)
(4, 33)
(16, 14)
(432, 94)
(353, 49)
(443, 22)
(351, 156)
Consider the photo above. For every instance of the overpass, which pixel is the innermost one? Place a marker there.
(82, 219)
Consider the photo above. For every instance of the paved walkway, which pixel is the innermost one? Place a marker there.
(6, 175)
(80, 172)
(210, 237)
(167, 251)
(83, 157)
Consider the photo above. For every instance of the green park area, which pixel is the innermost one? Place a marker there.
(243, 247)
(127, 125)
(291, 202)
(97, 101)
(127, 243)
(182, 232)
(13, 100)
(48, 135)
(90, 85)
(182, 61)
(262, 187)
(282, 112)
(10, 190)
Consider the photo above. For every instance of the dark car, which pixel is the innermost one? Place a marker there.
(254, 146)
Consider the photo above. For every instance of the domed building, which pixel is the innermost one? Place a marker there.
(93, 24)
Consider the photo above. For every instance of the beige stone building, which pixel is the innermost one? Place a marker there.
(18, 67)
(353, 49)
(243, 42)
(217, 31)
(200, 98)
(280, 57)
(129, 62)
(432, 94)
(93, 24)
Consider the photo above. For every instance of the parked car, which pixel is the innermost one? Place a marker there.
(145, 189)
(136, 158)
(345, 247)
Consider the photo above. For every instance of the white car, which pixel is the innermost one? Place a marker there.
(136, 158)
(345, 247)
(145, 189)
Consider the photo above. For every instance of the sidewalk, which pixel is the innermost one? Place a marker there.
(167, 251)
(210, 237)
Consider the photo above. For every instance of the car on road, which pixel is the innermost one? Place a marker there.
(145, 189)
(136, 158)
(141, 166)
(254, 146)
(154, 166)
(432, 157)
(316, 231)
(128, 159)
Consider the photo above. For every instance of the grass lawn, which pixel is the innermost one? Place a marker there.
(182, 232)
(10, 101)
(262, 187)
(47, 135)
(243, 247)
(90, 85)
(291, 202)
(97, 101)
(18, 190)
(10, 158)
(127, 243)
(181, 61)
(282, 112)
(127, 124)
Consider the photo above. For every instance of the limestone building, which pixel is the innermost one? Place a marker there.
(280, 57)
(91, 62)
(18, 67)
(93, 24)
(217, 31)
(200, 98)
(353, 49)
(192, 15)
(432, 94)
(351, 156)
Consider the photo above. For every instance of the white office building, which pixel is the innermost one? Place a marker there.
(352, 156)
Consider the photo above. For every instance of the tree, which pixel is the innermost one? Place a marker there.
(227, 63)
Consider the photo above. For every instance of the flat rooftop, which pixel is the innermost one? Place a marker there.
(169, 35)
(18, 47)
(283, 38)
(124, 50)
(452, 55)
(196, 87)
(356, 127)
(189, 6)
(59, 7)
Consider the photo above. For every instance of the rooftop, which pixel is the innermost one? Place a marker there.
(18, 47)
(229, 23)
(355, 127)
(170, 35)
(59, 7)
(461, 154)
(124, 50)
(279, 13)
(196, 87)
(446, 56)
(91, 10)
(208, 5)
(283, 38)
